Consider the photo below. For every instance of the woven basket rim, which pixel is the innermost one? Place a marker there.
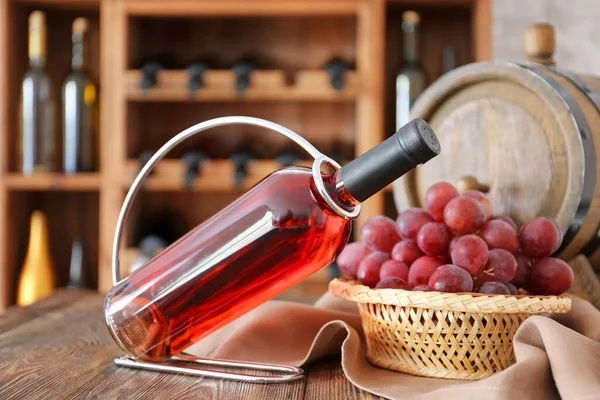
(466, 302)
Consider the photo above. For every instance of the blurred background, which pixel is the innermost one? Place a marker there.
(90, 89)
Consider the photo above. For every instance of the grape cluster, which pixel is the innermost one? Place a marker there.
(456, 245)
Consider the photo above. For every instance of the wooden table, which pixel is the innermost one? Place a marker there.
(60, 348)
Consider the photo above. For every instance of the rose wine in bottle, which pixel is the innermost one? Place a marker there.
(411, 79)
(36, 121)
(80, 108)
(284, 229)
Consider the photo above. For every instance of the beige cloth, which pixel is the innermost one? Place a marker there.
(556, 358)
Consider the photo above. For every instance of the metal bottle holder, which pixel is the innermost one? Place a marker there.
(185, 363)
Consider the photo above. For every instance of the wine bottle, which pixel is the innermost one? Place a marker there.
(149, 247)
(37, 275)
(284, 229)
(77, 278)
(448, 58)
(411, 79)
(80, 108)
(36, 150)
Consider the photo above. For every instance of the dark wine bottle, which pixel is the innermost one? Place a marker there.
(448, 58)
(36, 122)
(411, 79)
(80, 108)
(77, 278)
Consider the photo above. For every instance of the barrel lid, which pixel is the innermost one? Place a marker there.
(509, 128)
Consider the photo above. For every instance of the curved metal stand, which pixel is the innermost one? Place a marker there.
(187, 364)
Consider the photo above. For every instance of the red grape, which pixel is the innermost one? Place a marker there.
(421, 270)
(445, 258)
(368, 269)
(481, 199)
(422, 288)
(433, 238)
(500, 235)
(379, 233)
(350, 257)
(406, 252)
(451, 278)
(410, 222)
(551, 276)
(512, 288)
(392, 282)
(471, 253)
(506, 219)
(464, 215)
(501, 267)
(452, 243)
(437, 197)
(523, 273)
(493, 287)
(394, 268)
(540, 237)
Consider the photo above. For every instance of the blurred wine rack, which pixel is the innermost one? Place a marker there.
(291, 44)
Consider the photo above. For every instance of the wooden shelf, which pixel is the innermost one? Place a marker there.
(216, 176)
(298, 37)
(84, 182)
(62, 4)
(434, 3)
(243, 8)
(219, 85)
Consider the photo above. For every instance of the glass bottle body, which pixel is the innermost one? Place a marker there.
(275, 235)
(80, 108)
(411, 79)
(36, 121)
(80, 120)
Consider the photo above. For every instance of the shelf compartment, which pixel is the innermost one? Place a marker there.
(83, 182)
(219, 85)
(215, 175)
(329, 126)
(70, 216)
(292, 43)
(59, 20)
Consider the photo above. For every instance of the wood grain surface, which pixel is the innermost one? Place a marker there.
(60, 348)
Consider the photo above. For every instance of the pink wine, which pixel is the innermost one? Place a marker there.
(269, 239)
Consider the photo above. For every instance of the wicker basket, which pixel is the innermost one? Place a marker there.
(442, 335)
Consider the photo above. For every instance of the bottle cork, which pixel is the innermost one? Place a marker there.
(37, 35)
(80, 26)
(412, 17)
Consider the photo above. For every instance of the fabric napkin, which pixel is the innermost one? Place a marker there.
(557, 357)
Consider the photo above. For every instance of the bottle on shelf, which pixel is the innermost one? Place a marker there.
(240, 160)
(37, 278)
(149, 247)
(448, 58)
(36, 150)
(77, 278)
(411, 79)
(80, 108)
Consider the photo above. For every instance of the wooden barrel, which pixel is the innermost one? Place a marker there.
(529, 131)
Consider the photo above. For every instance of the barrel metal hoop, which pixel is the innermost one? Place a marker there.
(592, 95)
(589, 154)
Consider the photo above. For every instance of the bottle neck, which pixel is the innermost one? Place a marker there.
(410, 42)
(37, 46)
(37, 63)
(78, 61)
(338, 191)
